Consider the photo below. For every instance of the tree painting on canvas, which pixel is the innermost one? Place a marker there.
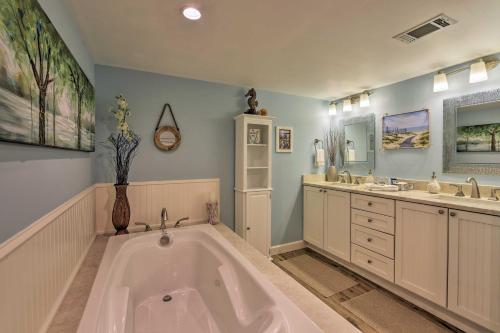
(478, 138)
(45, 97)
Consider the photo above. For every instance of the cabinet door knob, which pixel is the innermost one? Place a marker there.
(369, 240)
(370, 203)
(369, 261)
(248, 228)
(370, 220)
(441, 211)
(453, 214)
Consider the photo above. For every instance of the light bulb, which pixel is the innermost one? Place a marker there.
(332, 109)
(191, 13)
(478, 72)
(440, 82)
(347, 105)
(364, 100)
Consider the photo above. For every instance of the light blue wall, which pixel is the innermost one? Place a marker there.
(204, 112)
(35, 180)
(415, 94)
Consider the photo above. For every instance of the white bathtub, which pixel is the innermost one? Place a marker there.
(213, 288)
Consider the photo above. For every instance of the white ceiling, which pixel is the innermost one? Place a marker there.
(319, 48)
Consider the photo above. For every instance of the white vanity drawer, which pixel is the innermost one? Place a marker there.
(373, 262)
(373, 221)
(373, 204)
(373, 240)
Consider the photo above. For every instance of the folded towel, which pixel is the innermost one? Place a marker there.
(376, 187)
(319, 159)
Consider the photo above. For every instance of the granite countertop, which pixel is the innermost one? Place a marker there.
(446, 200)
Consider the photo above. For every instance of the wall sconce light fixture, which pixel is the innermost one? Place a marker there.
(478, 73)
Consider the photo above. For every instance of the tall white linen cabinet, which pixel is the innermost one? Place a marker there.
(253, 171)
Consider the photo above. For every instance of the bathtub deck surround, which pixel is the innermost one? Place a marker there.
(228, 260)
(253, 180)
(413, 243)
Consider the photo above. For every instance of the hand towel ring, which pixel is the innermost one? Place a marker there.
(167, 137)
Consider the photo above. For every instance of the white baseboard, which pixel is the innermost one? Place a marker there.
(287, 247)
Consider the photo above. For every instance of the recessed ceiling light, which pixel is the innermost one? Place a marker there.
(191, 13)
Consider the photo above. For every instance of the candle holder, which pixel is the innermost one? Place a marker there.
(212, 208)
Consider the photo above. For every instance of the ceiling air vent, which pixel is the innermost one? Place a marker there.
(435, 24)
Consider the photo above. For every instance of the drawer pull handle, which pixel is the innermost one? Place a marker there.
(441, 211)
(453, 214)
(370, 203)
(248, 228)
(369, 261)
(369, 240)
(370, 220)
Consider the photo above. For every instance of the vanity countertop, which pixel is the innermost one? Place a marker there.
(446, 200)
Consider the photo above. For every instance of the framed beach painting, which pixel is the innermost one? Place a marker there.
(284, 139)
(406, 130)
(45, 97)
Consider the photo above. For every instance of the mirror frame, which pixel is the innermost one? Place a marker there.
(358, 166)
(450, 107)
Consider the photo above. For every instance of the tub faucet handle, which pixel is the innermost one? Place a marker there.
(178, 223)
(148, 227)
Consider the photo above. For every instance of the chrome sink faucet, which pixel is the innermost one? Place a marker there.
(164, 219)
(475, 188)
(347, 176)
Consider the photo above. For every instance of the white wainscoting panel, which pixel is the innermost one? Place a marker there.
(38, 264)
(182, 198)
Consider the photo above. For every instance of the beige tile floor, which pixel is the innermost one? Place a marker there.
(367, 306)
(71, 309)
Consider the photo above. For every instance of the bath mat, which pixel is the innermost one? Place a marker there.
(317, 274)
(388, 315)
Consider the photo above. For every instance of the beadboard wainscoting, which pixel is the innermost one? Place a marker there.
(182, 198)
(38, 264)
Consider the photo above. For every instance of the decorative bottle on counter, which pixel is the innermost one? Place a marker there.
(433, 186)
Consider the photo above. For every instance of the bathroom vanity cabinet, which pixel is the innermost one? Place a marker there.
(449, 257)
(474, 267)
(422, 250)
(327, 220)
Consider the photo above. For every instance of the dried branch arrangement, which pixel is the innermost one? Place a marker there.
(123, 143)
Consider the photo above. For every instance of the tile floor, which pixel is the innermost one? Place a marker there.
(366, 305)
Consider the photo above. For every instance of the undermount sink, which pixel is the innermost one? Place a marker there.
(469, 200)
(343, 184)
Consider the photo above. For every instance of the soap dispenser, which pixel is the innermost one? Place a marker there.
(433, 186)
(370, 179)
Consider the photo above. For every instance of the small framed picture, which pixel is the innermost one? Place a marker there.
(253, 136)
(284, 139)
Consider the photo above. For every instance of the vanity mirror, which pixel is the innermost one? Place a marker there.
(358, 144)
(471, 133)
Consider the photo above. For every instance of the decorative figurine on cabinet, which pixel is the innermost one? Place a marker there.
(252, 101)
